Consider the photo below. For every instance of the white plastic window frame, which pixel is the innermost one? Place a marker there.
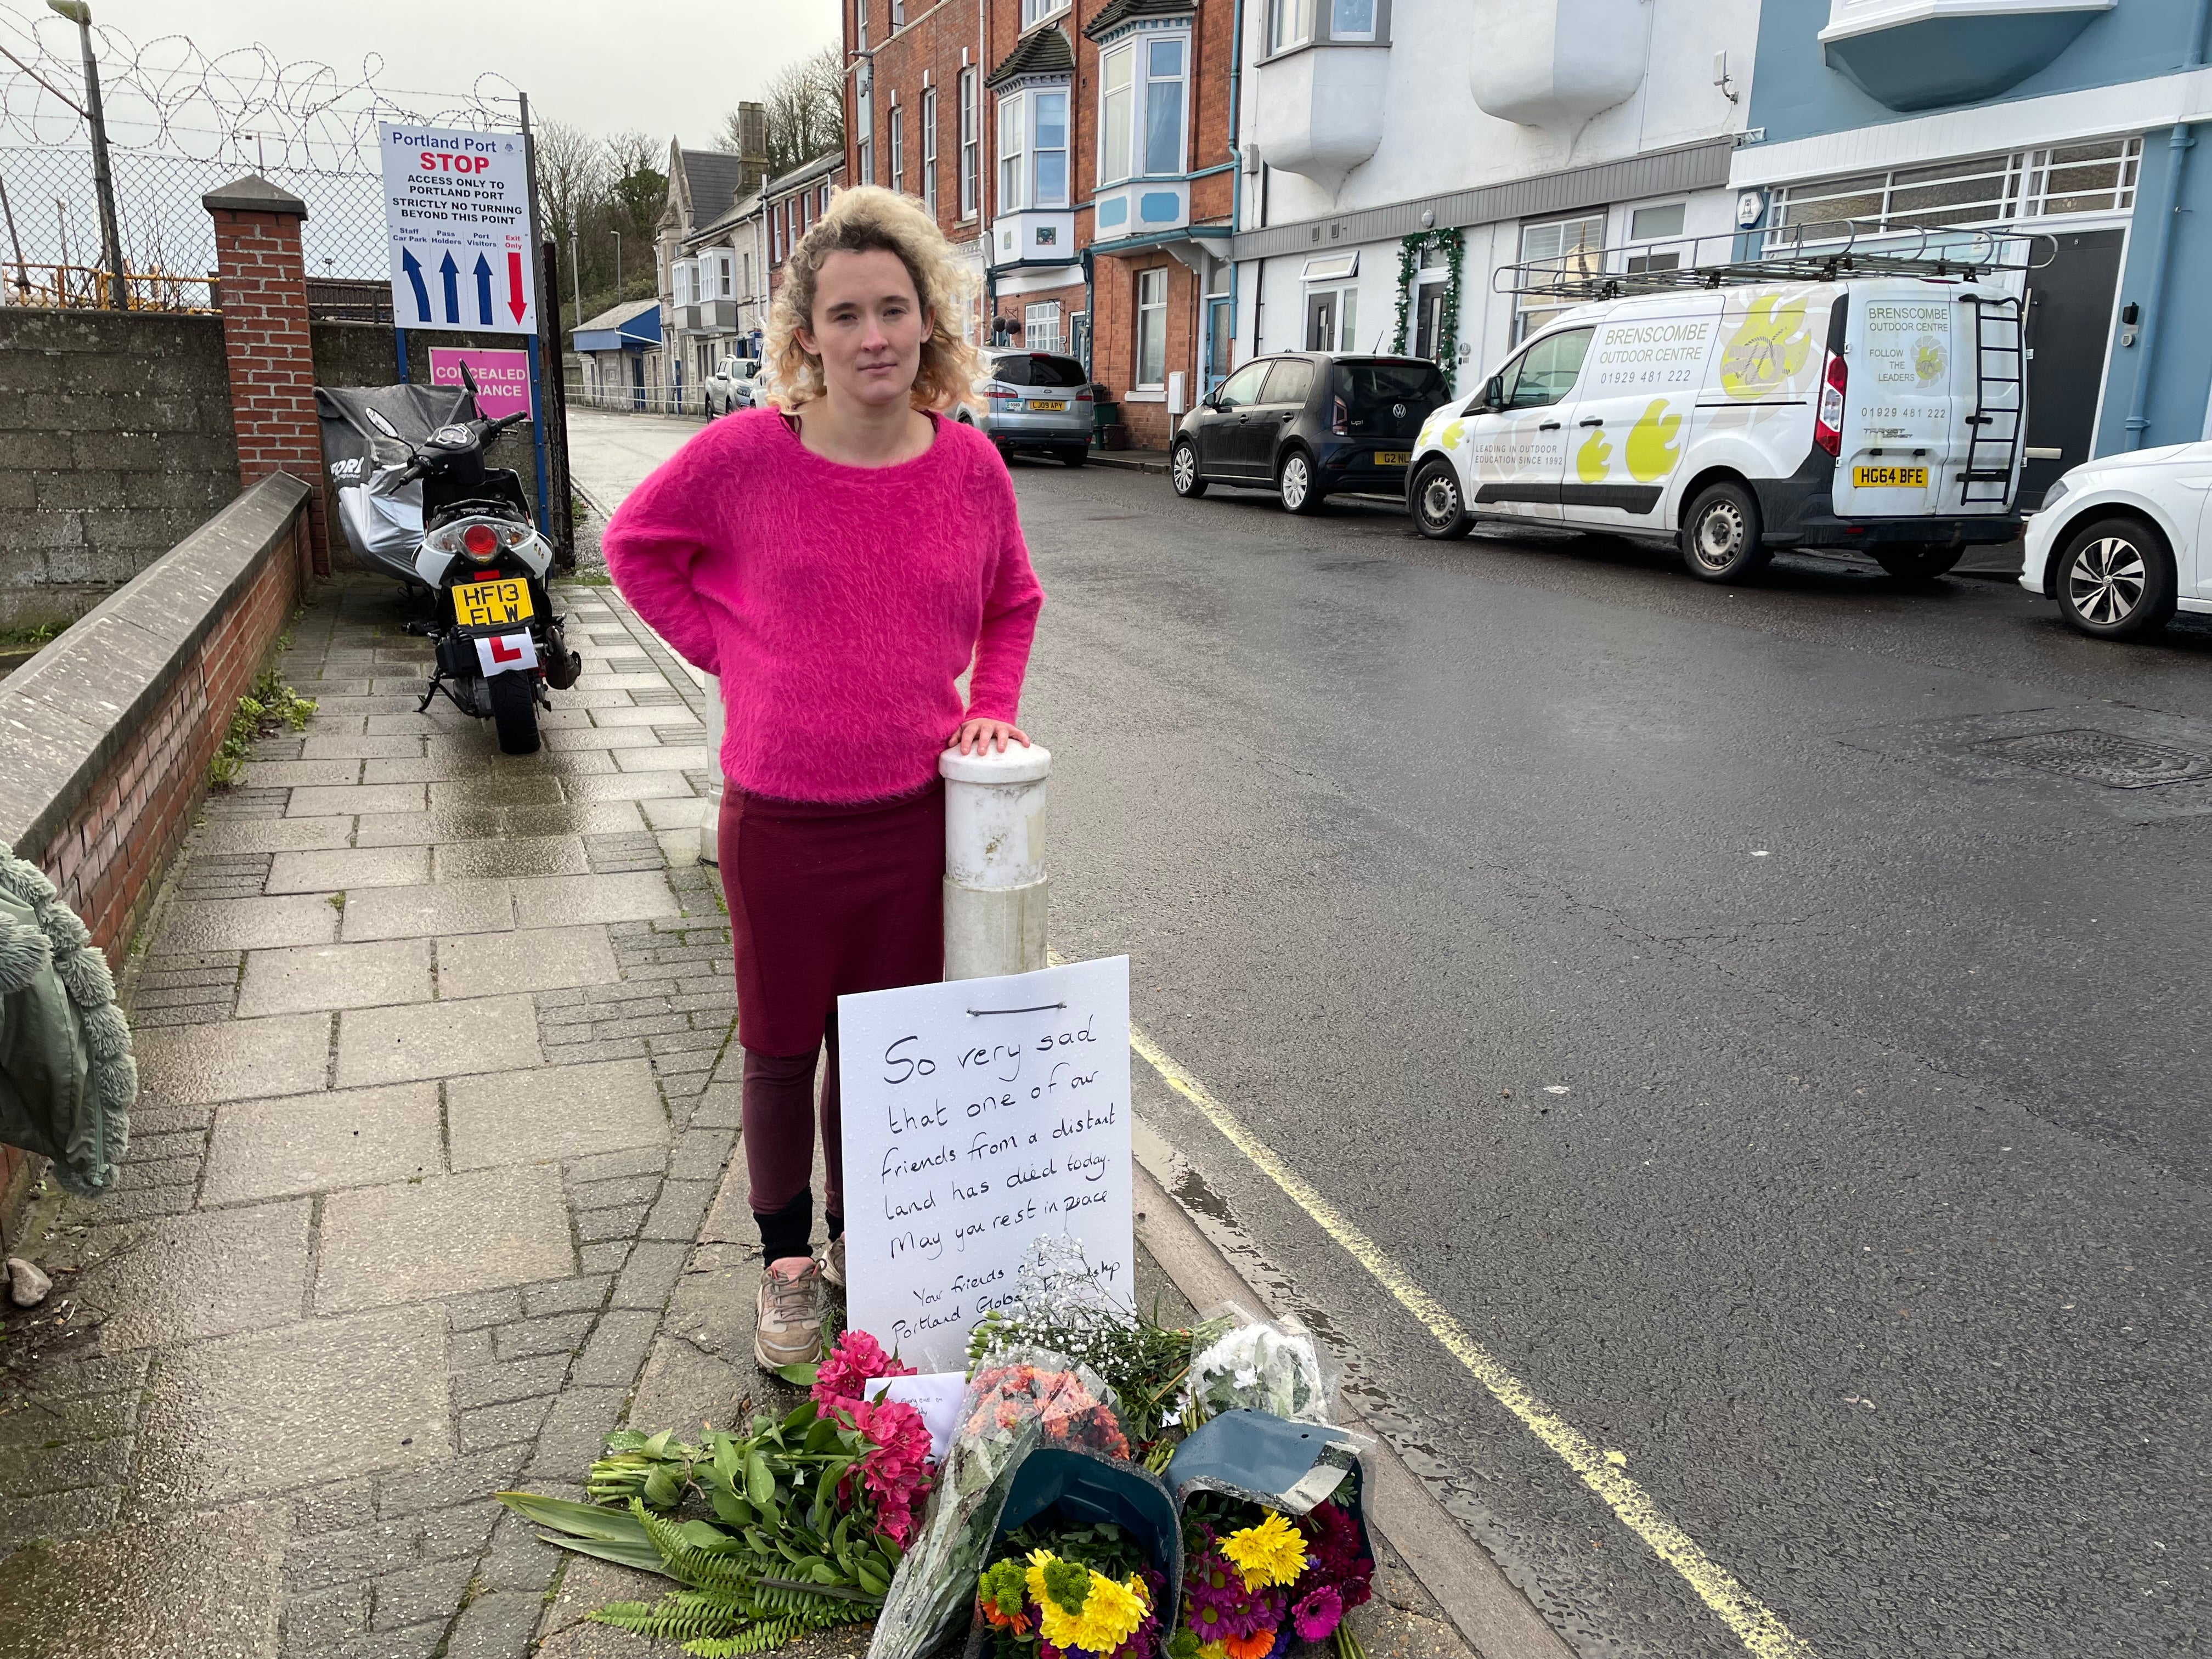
(894, 145)
(1038, 196)
(1180, 82)
(1036, 11)
(1136, 54)
(929, 150)
(971, 142)
(1040, 326)
(1118, 59)
(1149, 315)
(1013, 152)
(1293, 24)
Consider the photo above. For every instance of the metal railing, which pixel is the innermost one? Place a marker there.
(1817, 251)
(85, 287)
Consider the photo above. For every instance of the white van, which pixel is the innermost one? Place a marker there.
(1883, 413)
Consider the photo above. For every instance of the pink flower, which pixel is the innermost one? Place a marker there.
(1317, 1614)
(856, 1360)
(896, 1471)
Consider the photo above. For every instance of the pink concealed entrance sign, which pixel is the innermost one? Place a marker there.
(502, 377)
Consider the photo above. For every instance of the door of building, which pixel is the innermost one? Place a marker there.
(2070, 329)
(1321, 321)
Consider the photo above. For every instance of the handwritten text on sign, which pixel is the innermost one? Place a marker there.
(979, 1115)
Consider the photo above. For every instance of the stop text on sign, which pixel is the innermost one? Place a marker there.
(439, 161)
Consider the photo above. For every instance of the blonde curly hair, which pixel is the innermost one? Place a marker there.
(863, 217)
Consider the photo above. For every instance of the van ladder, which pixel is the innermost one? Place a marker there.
(2000, 400)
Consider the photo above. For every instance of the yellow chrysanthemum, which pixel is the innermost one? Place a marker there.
(1272, 1552)
(1212, 1650)
(1111, 1614)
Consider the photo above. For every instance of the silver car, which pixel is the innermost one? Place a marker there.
(1036, 402)
(732, 386)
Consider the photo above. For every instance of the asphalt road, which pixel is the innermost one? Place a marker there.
(1868, 1221)
(1809, 1103)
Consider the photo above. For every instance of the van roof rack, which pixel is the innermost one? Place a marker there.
(1820, 250)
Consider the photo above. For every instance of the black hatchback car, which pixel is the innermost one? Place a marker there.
(1307, 424)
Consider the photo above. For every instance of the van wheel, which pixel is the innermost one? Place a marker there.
(1721, 535)
(514, 714)
(1295, 484)
(1909, 563)
(1183, 469)
(2116, 580)
(1439, 512)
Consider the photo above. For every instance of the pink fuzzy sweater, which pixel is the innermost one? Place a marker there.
(838, 604)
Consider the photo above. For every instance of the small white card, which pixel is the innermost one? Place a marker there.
(935, 1394)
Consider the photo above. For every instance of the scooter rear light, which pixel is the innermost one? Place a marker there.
(1828, 425)
(481, 542)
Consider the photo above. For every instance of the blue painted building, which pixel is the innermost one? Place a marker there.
(2080, 119)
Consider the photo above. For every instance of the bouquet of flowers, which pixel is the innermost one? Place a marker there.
(1082, 1592)
(1255, 1364)
(895, 1472)
(1253, 1578)
(1021, 1397)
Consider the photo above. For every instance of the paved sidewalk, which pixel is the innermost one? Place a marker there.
(422, 1185)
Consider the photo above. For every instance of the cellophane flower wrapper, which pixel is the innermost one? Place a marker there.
(1240, 1362)
(1018, 1398)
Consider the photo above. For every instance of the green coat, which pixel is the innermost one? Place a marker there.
(67, 1078)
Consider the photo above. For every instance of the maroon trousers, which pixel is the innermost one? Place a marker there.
(825, 900)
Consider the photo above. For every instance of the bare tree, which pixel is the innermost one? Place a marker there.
(572, 178)
(805, 104)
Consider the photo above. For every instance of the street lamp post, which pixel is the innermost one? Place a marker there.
(103, 183)
(618, 267)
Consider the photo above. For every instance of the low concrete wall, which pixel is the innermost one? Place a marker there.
(115, 440)
(105, 736)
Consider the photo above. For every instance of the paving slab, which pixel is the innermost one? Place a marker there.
(526, 959)
(391, 747)
(453, 907)
(329, 976)
(192, 1276)
(218, 836)
(263, 1149)
(629, 786)
(317, 802)
(285, 774)
(295, 1407)
(496, 789)
(444, 1235)
(639, 896)
(442, 1039)
(246, 923)
(510, 855)
(636, 715)
(427, 828)
(353, 868)
(560, 1111)
(607, 736)
(686, 812)
(233, 1060)
(201, 1587)
(663, 758)
(568, 818)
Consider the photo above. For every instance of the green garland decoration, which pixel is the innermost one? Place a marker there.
(1410, 249)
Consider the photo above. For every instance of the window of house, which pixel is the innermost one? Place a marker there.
(1040, 326)
(860, 23)
(1163, 68)
(1152, 327)
(1656, 224)
(1051, 150)
(1290, 23)
(1299, 23)
(896, 121)
(2098, 177)
(1013, 152)
(971, 143)
(749, 273)
(864, 124)
(822, 203)
(1351, 20)
(1117, 104)
(1036, 11)
(1220, 322)
(898, 14)
(1332, 319)
(929, 149)
(1571, 247)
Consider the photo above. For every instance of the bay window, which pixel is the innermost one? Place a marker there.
(1301, 22)
(1143, 100)
(1036, 11)
(1051, 150)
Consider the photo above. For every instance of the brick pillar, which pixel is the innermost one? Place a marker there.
(265, 337)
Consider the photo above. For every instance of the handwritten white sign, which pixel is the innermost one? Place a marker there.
(979, 1115)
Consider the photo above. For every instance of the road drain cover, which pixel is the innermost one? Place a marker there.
(2104, 758)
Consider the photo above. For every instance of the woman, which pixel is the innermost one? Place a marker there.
(839, 561)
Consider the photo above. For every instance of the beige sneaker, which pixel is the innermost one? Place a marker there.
(788, 1318)
(832, 1262)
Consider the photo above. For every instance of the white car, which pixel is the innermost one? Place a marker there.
(2119, 542)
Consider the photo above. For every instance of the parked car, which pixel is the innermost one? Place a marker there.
(1306, 426)
(2119, 542)
(733, 385)
(1882, 415)
(1034, 401)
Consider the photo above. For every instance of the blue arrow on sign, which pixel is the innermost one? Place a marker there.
(483, 291)
(451, 273)
(413, 267)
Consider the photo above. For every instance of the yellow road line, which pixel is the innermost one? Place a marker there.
(1754, 1624)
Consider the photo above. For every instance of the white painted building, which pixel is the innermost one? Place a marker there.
(1533, 128)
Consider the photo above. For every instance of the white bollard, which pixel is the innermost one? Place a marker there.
(995, 886)
(710, 827)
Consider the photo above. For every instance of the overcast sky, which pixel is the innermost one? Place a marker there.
(672, 70)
